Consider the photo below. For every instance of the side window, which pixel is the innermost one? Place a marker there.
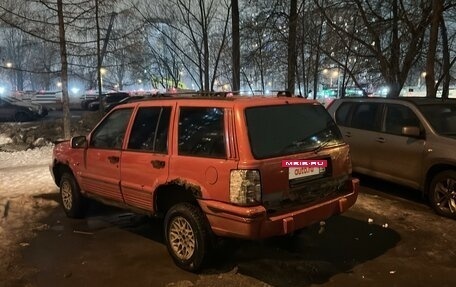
(398, 116)
(201, 132)
(110, 133)
(150, 130)
(365, 116)
(342, 114)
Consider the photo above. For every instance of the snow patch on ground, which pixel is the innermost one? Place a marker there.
(5, 139)
(24, 179)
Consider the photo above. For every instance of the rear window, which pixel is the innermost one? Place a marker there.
(290, 129)
(442, 117)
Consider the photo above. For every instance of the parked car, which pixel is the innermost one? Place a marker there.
(93, 105)
(12, 109)
(124, 101)
(409, 141)
(112, 98)
(86, 99)
(250, 168)
(107, 100)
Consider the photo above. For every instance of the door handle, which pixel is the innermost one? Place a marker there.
(380, 140)
(113, 159)
(158, 163)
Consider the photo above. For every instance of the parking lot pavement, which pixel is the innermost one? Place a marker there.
(386, 239)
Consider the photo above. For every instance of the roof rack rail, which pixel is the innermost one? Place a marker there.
(195, 94)
(284, 94)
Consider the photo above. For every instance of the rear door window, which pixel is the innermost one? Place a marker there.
(201, 132)
(366, 116)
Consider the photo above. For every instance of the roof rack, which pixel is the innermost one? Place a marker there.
(195, 94)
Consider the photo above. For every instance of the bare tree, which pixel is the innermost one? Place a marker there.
(292, 28)
(236, 54)
(391, 32)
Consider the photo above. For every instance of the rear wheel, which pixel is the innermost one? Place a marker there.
(73, 203)
(187, 236)
(442, 193)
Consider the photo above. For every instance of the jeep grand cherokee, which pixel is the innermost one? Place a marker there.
(211, 167)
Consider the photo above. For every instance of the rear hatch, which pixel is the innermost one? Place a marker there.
(299, 152)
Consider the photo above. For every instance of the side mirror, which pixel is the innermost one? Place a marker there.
(411, 131)
(78, 142)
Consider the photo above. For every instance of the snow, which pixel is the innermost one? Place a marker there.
(25, 173)
(5, 140)
(24, 179)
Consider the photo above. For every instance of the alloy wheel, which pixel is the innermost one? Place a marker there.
(182, 238)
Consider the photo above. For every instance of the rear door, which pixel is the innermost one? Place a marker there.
(145, 162)
(101, 175)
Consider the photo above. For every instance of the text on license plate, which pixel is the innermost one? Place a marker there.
(298, 172)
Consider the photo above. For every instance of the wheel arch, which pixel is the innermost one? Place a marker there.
(174, 192)
(58, 170)
(432, 172)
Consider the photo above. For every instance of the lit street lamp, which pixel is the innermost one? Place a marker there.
(102, 72)
(9, 65)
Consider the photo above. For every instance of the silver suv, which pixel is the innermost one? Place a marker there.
(410, 141)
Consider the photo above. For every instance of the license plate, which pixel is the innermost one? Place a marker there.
(299, 172)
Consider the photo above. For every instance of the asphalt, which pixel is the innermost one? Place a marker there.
(113, 248)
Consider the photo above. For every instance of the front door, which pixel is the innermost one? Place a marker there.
(101, 174)
(397, 156)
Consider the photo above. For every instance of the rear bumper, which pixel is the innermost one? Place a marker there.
(254, 223)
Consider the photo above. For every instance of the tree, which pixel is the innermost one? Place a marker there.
(390, 32)
(292, 28)
(236, 53)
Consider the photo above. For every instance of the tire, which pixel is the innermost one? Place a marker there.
(21, 117)
(442, 193)
(73, 203)
(187, 236)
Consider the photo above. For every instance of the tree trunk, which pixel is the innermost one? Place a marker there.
(446, 60)
(317, 61)
(437, 10)
(236, 54)
(64, 74)
(292, 27)
(99, 59)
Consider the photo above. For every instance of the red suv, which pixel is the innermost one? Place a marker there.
(211, 166)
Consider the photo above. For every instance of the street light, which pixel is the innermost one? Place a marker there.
(9, 65)
(423, 75)
(102, 72)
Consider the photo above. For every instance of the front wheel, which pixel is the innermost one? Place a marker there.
(442, 193)
(187, 236)
(74, 204)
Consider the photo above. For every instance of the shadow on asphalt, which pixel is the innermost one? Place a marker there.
(311, 256)
(391, 190)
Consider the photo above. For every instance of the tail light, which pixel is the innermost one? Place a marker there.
(245, 187)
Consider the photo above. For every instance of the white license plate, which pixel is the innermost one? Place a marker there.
(299, 172)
